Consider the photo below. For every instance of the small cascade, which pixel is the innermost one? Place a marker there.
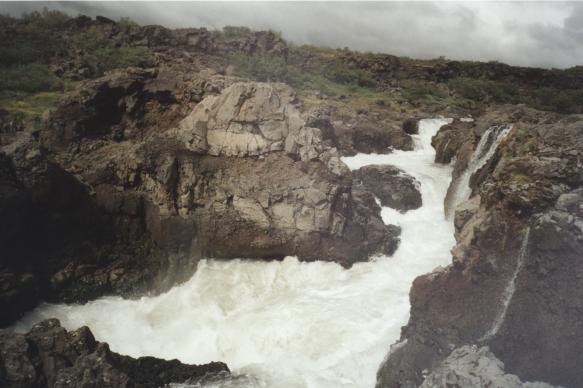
(460, 190)
(509, 290)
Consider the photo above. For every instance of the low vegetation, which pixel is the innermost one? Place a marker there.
(31, 81)
(33, 45)
(103, 55)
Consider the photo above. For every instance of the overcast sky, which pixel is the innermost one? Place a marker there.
(548, 34)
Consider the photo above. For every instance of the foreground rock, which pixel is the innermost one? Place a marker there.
(514, 282)
(393, 187)
(472, 367)
(49, 356)
(139, 174)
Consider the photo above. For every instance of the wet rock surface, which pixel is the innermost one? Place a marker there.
(50, 356)
(497, 292)
(393, 187)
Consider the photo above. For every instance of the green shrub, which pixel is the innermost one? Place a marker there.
(45, 20)
(565, 101)
(482, 90)
(33, 77)
(30, 38)
(109, 57)
(235, 31)
(467, 88)
(342, 74)
(263, 68)
(503, 92)
(332, 79)
(415, 91)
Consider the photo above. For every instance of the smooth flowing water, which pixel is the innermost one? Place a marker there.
(287, 324)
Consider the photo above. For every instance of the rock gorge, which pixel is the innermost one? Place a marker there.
(138, 174)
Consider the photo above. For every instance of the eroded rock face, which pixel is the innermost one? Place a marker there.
(252, 119)
(393, 187)
(513, 283)
(50, 356)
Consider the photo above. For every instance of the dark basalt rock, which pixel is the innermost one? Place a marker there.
(50, 356)
(391, 186)
(451, 138)
(411, 126)
(534, 184)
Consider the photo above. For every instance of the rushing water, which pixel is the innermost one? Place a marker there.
(287, 324)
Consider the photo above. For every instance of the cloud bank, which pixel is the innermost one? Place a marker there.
(546, 34)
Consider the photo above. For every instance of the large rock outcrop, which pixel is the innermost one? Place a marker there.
(49, 356)
(139, 174)
(513, 284)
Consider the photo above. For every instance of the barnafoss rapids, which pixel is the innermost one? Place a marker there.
(221, 208)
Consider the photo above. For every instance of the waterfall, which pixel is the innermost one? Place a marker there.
(461, 190)
(509, 290)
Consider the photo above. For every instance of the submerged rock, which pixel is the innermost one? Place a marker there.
(393, 187)
(50, 356)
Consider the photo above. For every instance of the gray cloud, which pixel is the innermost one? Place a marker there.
(548, 34)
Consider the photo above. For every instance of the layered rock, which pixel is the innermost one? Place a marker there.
(393, 187)
(50, 356)
(513, 283)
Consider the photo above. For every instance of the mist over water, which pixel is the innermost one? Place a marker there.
(287, 324)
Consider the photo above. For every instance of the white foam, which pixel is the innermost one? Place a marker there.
(287, 324)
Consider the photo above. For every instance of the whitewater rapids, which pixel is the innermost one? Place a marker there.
(287, 324)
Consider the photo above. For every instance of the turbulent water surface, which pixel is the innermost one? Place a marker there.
(287, 324)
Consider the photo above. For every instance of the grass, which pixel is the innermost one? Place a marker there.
(30, 106)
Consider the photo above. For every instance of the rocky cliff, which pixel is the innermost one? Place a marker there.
(138, 174)
(513, 284)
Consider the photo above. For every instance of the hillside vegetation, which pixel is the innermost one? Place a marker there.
(46, 53)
